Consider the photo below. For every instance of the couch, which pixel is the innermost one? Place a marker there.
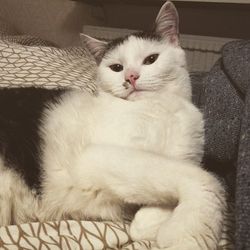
(224, 97)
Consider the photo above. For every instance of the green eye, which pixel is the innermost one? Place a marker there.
(116, 67)
(150, 59)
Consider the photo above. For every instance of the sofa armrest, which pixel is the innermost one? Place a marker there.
(243, 181)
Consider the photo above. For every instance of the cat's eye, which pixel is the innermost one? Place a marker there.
(116, 67)
(150, 59)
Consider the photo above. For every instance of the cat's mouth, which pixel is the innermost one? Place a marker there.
(136, 93)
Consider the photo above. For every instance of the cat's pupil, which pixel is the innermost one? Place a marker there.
(150, 59)
(116, 67)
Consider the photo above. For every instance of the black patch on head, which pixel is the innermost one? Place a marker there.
(21, 110)
(142, 35)
(148, 36)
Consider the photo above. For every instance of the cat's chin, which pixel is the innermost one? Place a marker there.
(139, 94)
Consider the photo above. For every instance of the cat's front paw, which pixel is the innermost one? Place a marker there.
(147, 222)
(182, 238)
(184, 245)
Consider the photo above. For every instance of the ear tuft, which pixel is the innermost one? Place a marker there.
(95, 46)
(167, 23)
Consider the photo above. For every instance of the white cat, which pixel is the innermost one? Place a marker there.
(140, 141)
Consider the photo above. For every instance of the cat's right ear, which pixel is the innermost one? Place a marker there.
(95, 46)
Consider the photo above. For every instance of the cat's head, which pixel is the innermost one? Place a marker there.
(143, 62)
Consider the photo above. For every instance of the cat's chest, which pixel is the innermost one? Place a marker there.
(143, 125)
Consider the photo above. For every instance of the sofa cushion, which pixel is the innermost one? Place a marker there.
(236, 62)
(243, 181)
(222, 109)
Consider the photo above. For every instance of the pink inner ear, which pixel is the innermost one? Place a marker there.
(174, 39)
(167, 23)
(95, 46)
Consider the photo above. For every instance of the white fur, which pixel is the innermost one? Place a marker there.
(103, 152)
(147, 220)
(18, 202)
(143, 152)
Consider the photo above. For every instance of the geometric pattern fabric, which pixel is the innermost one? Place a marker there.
(49, 67)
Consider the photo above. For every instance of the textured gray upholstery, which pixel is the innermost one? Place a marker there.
(236, 61)
(224, 96)
(222, 108)
(243, 181)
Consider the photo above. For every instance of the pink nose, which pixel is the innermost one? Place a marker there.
(131, 77)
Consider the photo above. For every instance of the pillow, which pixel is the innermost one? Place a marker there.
(90, 235)
(49, 67)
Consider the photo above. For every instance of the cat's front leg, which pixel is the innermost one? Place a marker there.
(147, 222)
(154, 223)
(197, 221)
(140, 177)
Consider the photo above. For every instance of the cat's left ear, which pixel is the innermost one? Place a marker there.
(95, 46)
(167, 23)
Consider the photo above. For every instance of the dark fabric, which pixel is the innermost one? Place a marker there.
(243, 182)
(222, 108)
(20, 135)
(224, 97)
(236, 61)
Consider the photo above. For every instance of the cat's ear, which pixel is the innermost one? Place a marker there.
(95, 46)
(167, 23)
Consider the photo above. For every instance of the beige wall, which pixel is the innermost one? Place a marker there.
(223, 20)
(60, 21)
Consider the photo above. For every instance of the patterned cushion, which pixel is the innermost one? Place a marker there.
(49, 67)
(69, 235)
(85, 235)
